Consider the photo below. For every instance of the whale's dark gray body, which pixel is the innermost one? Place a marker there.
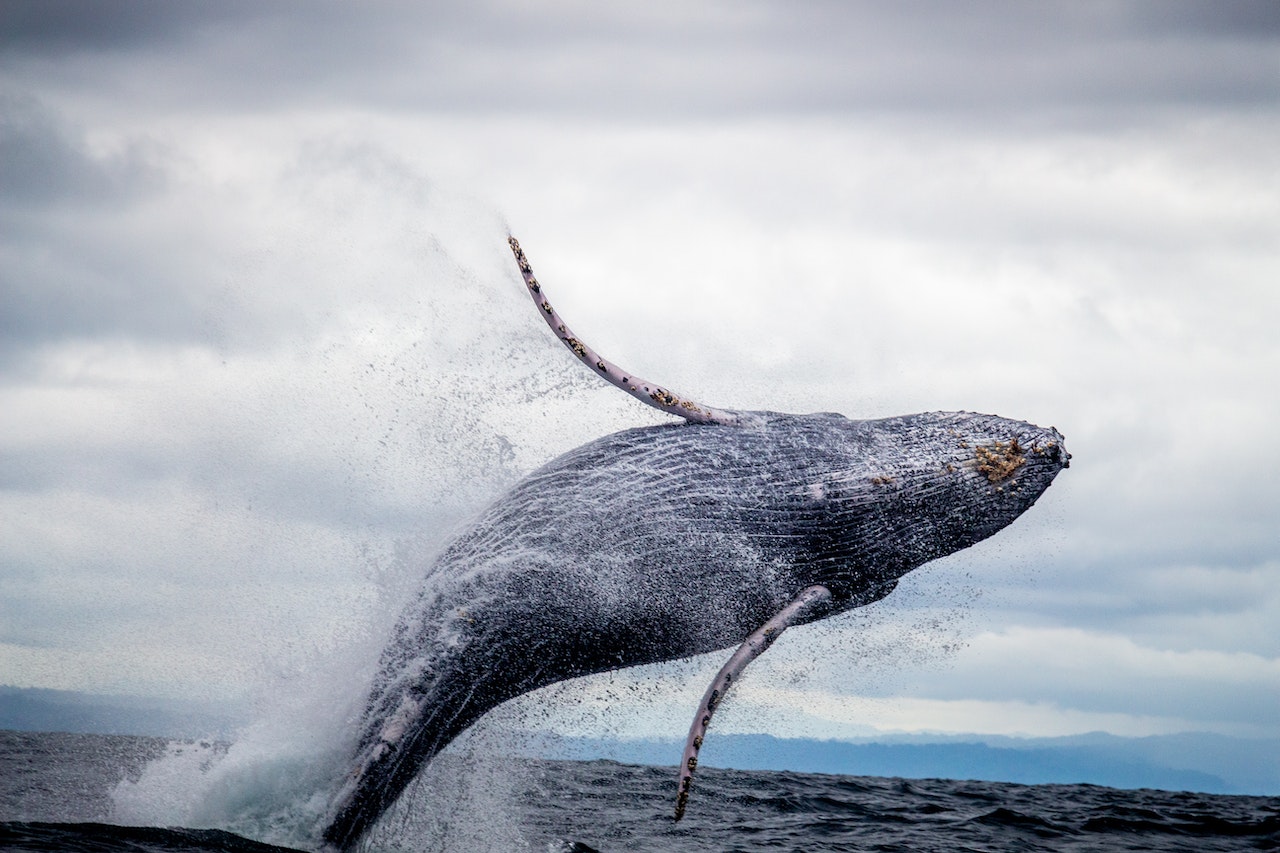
(664, 542)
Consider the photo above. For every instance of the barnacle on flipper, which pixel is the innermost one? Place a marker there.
(665, 398)
(1000, 460)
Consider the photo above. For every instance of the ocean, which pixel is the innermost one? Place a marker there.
(61, 792)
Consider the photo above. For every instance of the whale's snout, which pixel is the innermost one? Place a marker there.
(1058, 453)
(1048, 443)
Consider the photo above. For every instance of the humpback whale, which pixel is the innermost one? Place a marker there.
(662, 542)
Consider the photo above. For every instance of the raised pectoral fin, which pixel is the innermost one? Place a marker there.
(642, 389)
(762, 638)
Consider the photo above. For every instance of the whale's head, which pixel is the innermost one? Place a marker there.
(892, 494)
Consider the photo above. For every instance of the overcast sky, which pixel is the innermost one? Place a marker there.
(262, 345)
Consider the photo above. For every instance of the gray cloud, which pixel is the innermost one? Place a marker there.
(1121, 676)
(57, 282)
(1047, 62)
(44, 161)
(68, 26)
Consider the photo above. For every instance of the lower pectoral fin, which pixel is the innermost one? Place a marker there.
(801, 606)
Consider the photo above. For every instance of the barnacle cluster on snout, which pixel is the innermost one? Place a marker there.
(999, 460)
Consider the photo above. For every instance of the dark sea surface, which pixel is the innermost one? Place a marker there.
(56, 794)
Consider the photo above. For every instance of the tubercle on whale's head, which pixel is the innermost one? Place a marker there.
(915, 488)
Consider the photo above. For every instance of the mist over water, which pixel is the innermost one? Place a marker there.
(405, 391)
(419, 397)
(275, 782)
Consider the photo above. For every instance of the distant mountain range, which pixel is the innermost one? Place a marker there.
(1200, 762)
(33, 710)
